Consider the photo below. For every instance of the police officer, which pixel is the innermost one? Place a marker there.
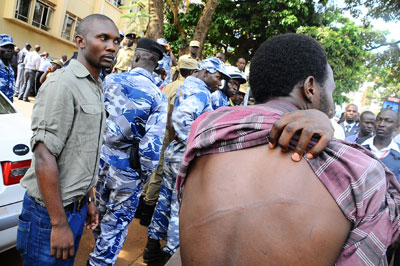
(125, 54)
(6, 72)
(137, 114)
(220, 97)
(193, 98)
(167, 60)
(152, 188)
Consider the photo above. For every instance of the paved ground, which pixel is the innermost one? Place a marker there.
(130, 255)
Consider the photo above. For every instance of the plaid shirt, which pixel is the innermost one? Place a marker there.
(363, 188)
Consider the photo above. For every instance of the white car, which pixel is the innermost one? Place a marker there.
(15, 159)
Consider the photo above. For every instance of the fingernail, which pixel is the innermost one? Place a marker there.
(309, 156)
(296, 157)
(270, 145)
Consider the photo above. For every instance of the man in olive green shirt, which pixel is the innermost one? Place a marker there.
(68, 120)
(152, 188)
(125, 54)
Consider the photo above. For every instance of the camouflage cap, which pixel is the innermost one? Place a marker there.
(162, 41)
(6, 40)
(212, 65)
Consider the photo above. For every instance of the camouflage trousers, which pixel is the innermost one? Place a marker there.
(117, 197)
(165, 221)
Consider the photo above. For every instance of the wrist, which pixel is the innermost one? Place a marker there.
(91, 200)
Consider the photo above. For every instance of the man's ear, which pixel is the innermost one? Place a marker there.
(309, 88)
(80, 41)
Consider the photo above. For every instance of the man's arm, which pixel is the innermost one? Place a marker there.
(186, 112)
(151, 143)
(61, 239)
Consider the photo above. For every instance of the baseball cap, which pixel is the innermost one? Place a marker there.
(243, 89)
(57, 62)
(162, 41)
(235, 73)
(151, 46)
(212, 65)
(194, 43)
(187, 63)
(6, 40)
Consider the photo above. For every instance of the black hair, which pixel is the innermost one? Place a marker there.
(366, 113)
(85, 24)
(185, 72)
(282, 62)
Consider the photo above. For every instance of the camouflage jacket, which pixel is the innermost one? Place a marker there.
(137, 111)
(7, 80)
(219, 99)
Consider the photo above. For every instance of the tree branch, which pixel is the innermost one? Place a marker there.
(383, 44)
(175, 12)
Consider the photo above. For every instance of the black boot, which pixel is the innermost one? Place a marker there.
(153, 252)
(139, 208)
(147, 214)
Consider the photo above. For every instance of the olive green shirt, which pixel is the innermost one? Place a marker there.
(69, 118)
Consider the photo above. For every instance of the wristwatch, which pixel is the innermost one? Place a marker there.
(90, 199)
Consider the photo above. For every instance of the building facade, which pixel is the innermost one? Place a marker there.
(52, 23)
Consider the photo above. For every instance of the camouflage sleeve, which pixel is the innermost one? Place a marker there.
(186, 112)
(151, 143)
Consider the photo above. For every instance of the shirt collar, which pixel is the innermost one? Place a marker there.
(78, 69)
(143, 72)
(347, 124)
(198, 81)
(2, 65)
(392, 145)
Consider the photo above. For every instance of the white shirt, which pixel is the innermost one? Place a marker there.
(32, 60)
(345, 124)
(44, 64)
(383, 152)
(339, 132)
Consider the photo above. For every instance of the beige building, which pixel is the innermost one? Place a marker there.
(52, 23)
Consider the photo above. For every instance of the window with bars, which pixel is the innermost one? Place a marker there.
(69, 28)
(22, 10)
(41, 15)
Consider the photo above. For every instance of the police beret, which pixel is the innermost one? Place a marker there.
(150, 46)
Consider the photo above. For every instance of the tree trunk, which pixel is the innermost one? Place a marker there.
(204, 22)
(155, 28)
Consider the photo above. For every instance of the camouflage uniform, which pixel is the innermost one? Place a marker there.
(219, 99)
(137, 111)
(193, 98)
(7, 80)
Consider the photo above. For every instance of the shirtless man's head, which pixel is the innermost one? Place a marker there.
(300, 74)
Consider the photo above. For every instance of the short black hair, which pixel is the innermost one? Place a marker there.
(185, 72)
(86, 22)
(366, 113)
(282, 62)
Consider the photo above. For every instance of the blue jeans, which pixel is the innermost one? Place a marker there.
(34, 230)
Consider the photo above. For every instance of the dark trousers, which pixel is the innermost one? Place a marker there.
(29, 83)
(37, 82)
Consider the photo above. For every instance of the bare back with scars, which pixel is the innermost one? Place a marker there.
(258, 207)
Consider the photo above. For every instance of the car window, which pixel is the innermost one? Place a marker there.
(5, 106)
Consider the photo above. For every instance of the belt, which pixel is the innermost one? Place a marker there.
(76, 205)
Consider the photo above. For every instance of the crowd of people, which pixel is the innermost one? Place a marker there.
(23, 71)
(124, 130)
